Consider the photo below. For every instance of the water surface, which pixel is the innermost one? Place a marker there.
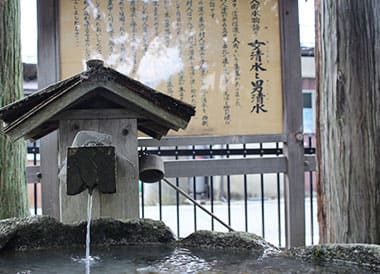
(159, 259)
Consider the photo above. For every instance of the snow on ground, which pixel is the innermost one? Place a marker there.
(254, 209)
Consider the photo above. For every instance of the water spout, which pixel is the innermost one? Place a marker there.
(90, 167)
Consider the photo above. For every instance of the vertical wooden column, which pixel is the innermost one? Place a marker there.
(293, 148)
(48, 73)
(125, 202)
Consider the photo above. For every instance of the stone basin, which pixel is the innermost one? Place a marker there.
(46, 233)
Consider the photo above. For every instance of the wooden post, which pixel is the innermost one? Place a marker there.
(48, 73)
(293, 147)
(125, 202)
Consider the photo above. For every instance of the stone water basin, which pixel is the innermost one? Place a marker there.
(40, 244)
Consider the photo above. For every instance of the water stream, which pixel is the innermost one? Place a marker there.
(88, 239)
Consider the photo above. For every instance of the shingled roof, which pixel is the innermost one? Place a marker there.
(95, 90)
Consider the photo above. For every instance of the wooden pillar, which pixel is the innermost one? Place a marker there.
(48, 73)
(125, 202)
(293, 147)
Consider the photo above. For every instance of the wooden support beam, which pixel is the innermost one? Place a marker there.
(48, 73)
(293, 147)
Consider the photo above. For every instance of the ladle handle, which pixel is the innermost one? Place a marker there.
(198, 204)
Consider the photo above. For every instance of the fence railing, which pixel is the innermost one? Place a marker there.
(33, 177)
(239, 179)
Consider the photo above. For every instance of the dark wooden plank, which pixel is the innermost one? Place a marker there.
(89, 168)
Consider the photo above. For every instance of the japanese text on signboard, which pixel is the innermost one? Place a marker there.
(223, 56)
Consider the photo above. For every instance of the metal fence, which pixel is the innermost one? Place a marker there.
(33, 177)
(220, 174)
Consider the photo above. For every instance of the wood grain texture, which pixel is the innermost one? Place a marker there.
(293, 147)
(48, 73)
(13, 191)
(349, 121)
(122, 204)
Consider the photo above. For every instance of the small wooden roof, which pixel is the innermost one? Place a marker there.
(101, 93)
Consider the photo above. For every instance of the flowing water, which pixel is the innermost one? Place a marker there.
(88, 232)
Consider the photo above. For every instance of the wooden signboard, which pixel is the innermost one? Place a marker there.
(224, 57)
